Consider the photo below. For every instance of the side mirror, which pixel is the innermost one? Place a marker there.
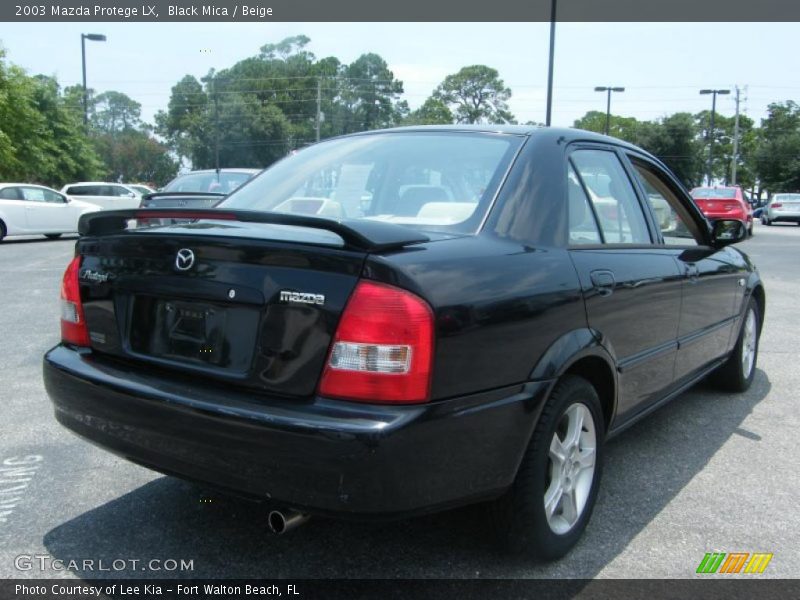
(727, 231)
(65, 199)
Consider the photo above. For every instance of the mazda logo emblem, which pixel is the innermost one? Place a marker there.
(184, 260)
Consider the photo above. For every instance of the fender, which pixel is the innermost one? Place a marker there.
(567, 350)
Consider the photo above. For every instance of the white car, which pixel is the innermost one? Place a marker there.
(28, 209)
(106, 195)
(782, 208)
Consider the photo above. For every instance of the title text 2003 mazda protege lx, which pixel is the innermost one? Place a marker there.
(402, 321)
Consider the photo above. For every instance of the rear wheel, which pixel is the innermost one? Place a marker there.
(737, 373)
(546, 510)
(2, 231)
(52, 236)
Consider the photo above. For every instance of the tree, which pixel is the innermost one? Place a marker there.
(368, 92)
(673, 139)
(476, 94)
(624, 128)
(777, 159)
(41, 138)
(184, 122)
(115, 111)
(432, 112)
(265, 105)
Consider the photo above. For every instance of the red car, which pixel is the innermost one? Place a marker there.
(724, 203)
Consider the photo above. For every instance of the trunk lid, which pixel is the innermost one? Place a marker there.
(251, 303)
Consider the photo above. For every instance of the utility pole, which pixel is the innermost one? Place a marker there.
(319, 105)
(548, 117)
(216, 123)
(711, 130)
(734, 161)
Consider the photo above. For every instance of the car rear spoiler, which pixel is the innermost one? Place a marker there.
(362, 234)
(183, 195)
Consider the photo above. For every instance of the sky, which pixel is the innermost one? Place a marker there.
(662, 65)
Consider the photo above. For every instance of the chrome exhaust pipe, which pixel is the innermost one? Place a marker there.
(282, 521)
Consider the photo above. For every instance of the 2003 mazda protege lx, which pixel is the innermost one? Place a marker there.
(402, 321)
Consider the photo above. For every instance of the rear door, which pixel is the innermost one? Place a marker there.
(632, 288)
(713, 280)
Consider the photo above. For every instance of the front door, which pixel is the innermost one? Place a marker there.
(713, 280)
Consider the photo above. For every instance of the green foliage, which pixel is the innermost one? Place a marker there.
(476, 94)
(777, 156)
(432, 112)
(41, 135)
(266, 105)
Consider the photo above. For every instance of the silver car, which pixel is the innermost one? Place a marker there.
(782, 208)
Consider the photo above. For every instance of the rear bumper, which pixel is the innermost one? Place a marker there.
(321, 456)
(738, 216)
(784, 217)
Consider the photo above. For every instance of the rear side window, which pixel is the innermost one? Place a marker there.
(582, 224)
(10, 193)
(612, 195)
(84, 190)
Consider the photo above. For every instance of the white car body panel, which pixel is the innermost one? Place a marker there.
(33, 215)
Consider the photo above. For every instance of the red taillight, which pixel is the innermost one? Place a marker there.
(73, 324)
(776, 205)
(383, 347)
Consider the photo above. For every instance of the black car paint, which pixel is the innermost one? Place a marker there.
(515, 309)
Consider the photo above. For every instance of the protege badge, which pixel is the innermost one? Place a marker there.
(302, 298)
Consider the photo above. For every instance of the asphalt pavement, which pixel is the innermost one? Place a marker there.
(711, 471)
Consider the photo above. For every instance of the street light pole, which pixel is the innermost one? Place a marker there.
(94, 37)
(608, 90)
(548, 117)
(711, 128)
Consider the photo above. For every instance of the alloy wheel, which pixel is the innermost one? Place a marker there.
(572, 456)
(749, 340)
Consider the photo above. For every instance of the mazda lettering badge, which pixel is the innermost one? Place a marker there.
(184, 260)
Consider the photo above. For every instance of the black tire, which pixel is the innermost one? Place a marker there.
(52, 236)
(768, 223)
(2, 231)
(519, 516)
(731, 376)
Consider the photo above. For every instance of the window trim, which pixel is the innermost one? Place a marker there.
(626, 168)
(674, 186)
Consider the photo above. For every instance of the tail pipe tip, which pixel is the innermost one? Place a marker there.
(281, 521)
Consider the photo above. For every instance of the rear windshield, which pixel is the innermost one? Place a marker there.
(220, 183)
(786, 197)
(714, 193)
(433, 180)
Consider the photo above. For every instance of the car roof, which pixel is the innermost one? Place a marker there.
(97, 183)
(225, 170)
(565, 134)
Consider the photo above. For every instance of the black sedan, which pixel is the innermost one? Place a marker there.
(402, 321)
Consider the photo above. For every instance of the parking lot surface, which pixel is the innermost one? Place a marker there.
(708, 472)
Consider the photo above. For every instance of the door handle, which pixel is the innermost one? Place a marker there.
(603, 281)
